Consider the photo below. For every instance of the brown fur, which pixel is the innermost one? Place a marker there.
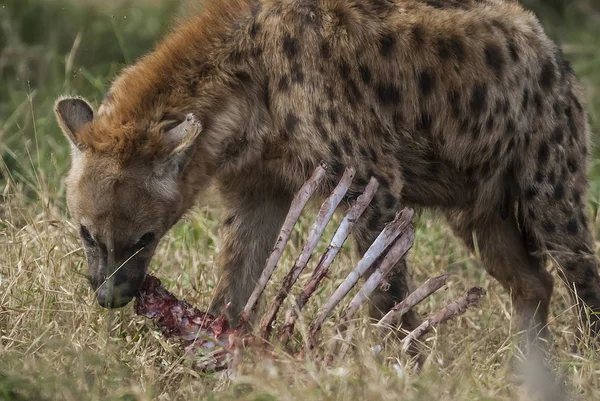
(460, 105)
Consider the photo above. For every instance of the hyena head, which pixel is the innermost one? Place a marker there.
(125, 189)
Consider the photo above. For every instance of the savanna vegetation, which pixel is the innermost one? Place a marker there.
(56, 343)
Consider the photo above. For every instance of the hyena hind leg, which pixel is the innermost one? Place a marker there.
(569, 243)
(505, 257)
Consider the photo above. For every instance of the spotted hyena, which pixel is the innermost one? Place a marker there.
(464, 106)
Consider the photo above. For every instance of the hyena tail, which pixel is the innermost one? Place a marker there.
(552, 207)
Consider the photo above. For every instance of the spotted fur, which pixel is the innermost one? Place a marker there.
(465, 106)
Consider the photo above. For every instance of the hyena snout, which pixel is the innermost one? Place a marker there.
(118, 288)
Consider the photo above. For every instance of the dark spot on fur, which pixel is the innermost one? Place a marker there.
(425, 121)
(577, 103)
(451, 47)
(290, 46)
(254, 29)
(242, 76)
(375, 223)
(539, 177)
(347, 145)
(511, 145)
(363, 152)
(390, 201)
(572, 165)
(543, 154)
(558, 135)
(325, 50)
(531, 193)
(319, 125)
(344, 69)
(418, 35)
(388, 94)
(267, 95)
(361, 182)
(284, 84)
(563, 65)
(454, 100)
(332, 116)
(464, 126)
(435, 4)
(426, 82)
(334, 148)
(572, 227)
(489, 125)
(494, 58)
(552, 180)
(505, 106)
(504, 207)
(525, 103)
(538, 103)
(352, 93)
(547, 75)
(557, 108)
(559, 190)
(571, 122)
(496, 151)
(386, 44)
(549, 226)
(291, 121)
(383, 181)
(329, 92)
(373, 154)
(297, 74)
(512, 50)
(365, 74)
(479, 99)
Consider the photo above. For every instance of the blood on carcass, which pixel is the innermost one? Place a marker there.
(180, 320)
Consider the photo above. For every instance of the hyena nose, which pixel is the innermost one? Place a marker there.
(110, 295)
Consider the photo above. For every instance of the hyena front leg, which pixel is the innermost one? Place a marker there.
(252, 218)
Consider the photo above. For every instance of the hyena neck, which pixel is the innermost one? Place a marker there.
(211, 69)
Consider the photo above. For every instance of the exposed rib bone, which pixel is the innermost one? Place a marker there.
(395, 253)
(316, 232)
(296, 208)
(415, 297)
(340, 236)
(388, 235)
(457, 307)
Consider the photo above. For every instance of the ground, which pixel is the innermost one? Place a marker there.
(57, 343)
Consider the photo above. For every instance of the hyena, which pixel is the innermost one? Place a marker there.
(463, 106)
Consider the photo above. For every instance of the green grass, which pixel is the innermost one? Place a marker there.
(57, 344)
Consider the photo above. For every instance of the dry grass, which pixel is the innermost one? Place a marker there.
(57, 344)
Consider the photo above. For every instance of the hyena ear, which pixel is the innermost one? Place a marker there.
(72, 114)
(180, 140)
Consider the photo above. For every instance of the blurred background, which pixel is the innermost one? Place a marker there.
(52, 47)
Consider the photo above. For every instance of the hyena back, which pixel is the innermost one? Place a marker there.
(463, 106)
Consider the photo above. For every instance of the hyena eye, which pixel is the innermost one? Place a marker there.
(145, 240)
(86, 236)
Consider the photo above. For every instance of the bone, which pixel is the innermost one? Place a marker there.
(298, 204)
(325, 213)
(340, 236)
(457, 307)
(389, 234)
(413, 299)
(391, 259)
